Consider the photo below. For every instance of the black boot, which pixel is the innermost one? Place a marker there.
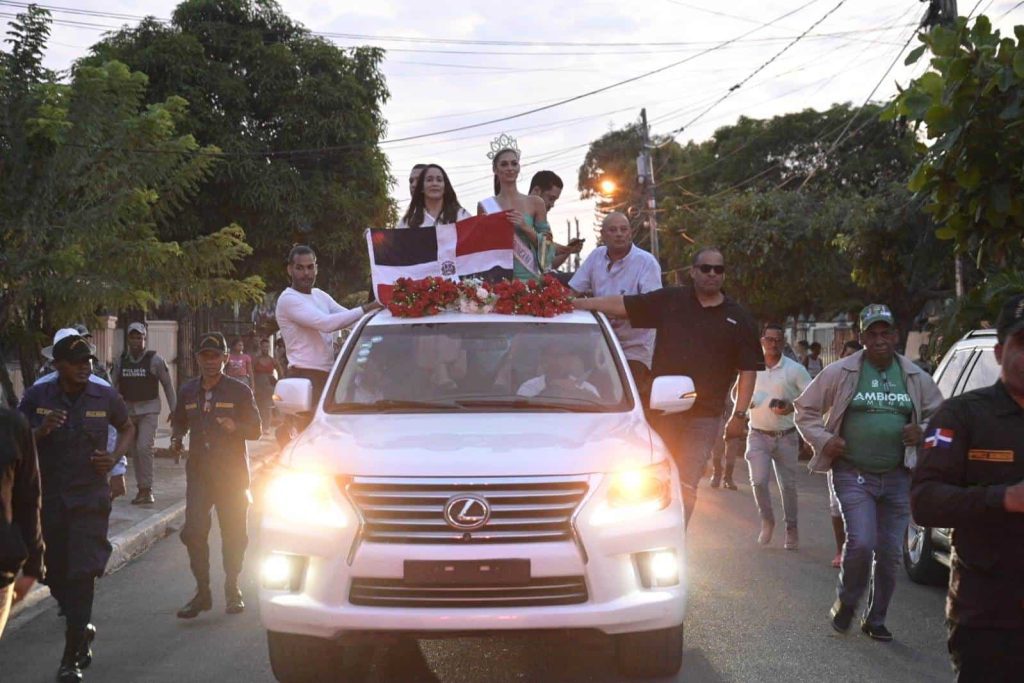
(233, 603)
(85, 651)
(202, 602)
(70, 671)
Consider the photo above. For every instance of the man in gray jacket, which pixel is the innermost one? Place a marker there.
(864, 417)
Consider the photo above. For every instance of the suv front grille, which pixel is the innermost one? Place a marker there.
(539, 592)
(412, 510)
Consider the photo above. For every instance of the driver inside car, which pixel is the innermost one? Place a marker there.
(563, 377)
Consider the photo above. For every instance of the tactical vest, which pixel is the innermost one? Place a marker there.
(136, 381)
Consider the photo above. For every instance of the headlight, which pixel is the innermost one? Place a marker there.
(305, 498)
(636, 493)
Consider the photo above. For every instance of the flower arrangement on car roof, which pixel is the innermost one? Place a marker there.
(432, 295)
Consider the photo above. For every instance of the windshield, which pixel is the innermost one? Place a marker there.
(479, 367)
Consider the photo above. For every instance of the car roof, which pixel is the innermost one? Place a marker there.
(985, 337)
(574, 318)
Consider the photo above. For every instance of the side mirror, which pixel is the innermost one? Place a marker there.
(672, 394)
(293, 396)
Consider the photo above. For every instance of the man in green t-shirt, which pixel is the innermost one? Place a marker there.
(863, 416)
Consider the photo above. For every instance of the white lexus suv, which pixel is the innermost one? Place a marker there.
(475, 473)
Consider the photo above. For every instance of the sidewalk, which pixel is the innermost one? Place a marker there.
(133, 528)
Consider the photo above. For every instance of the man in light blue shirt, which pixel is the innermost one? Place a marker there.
(773, 440)
(618, 268)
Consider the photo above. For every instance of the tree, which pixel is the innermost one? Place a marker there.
(777, 245)
(970, 178)
(971, 104)
(297, 117)
(892, 249)
(90, 177)
(814, 192)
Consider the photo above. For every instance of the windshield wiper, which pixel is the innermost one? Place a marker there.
(385, 405)
(530, 404)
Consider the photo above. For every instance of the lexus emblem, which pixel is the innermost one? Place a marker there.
(467, 512)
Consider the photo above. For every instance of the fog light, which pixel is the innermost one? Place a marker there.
(664, 567)
(658, 568)
(283, 572)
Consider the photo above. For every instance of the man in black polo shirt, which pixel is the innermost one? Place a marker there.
(706, 335)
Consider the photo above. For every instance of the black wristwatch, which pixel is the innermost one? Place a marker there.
(742, 414)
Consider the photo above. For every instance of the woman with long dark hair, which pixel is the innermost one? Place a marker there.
(433, 201)
(532, 246)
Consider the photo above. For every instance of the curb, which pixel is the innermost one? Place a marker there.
(132, 542)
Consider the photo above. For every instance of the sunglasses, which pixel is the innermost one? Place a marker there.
(208, 404)
(706, 268)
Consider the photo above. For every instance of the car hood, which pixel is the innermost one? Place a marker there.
(474, 444)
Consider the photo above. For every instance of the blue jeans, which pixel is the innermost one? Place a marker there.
(765, 452)
(876, 512)
(689, 439)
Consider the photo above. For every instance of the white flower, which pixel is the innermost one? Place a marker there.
(482, 294)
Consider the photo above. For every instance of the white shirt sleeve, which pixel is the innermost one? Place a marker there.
(304, 313)
(582, 281)
(650, 278)
(334, 307)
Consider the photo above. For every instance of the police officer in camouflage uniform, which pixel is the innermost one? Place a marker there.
(70, 418)
(219, 414)
(970, 476)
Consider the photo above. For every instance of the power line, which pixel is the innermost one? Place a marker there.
(839, 139)
(1009, 10)
(528, 112)
(483, 179)
(758, 70)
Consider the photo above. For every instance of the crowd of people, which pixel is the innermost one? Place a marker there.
(875, 422)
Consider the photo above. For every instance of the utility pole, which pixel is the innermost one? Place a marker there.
(645, 174)
(939, 13)
(577, 257)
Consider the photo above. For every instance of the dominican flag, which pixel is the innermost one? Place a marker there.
(476, 247)
(939, 438)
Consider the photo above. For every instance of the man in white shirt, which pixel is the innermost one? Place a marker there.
(617, 268)
(773, 440)
(310, 320)
(563, 371)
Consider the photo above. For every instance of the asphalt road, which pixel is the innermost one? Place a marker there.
(755, 615)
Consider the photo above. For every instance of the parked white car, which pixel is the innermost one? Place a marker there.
(969, 365)
(475, 474)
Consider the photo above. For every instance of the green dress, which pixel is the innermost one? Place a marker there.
(531, 261)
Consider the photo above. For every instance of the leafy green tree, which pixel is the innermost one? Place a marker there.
(776, 246)
(971, 104)
(810, 198)
(893, 253)
(90, 178)
(260, 87)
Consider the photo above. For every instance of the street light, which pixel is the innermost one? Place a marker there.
(608, 187)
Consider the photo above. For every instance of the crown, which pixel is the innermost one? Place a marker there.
(502, 143)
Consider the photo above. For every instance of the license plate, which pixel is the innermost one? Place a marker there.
(467, 572)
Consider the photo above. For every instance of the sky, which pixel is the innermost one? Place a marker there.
(456, 64)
